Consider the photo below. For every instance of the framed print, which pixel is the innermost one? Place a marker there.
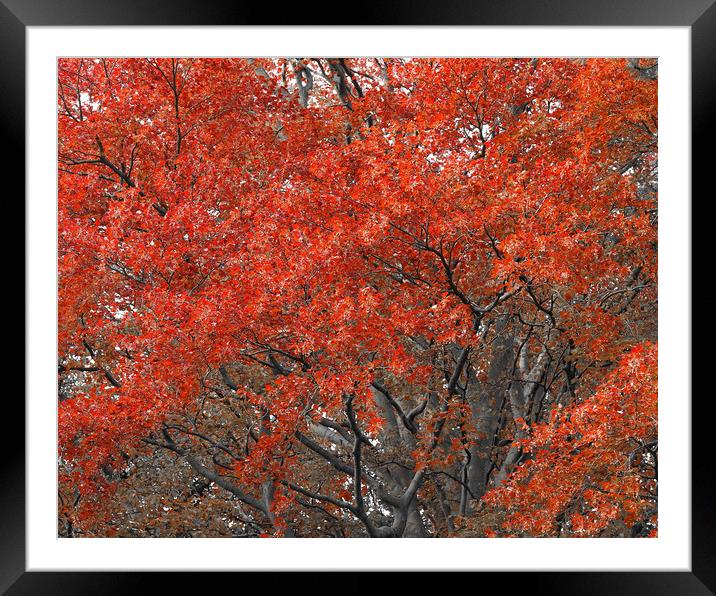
(423, 276)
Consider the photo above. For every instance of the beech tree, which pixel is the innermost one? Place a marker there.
(357, 297)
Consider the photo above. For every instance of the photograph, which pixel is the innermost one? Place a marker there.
(357, 297)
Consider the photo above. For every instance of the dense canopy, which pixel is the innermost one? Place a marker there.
(357, 297)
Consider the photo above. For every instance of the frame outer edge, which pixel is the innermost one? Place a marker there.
(703, 100)
(12, 127)
(699, 13)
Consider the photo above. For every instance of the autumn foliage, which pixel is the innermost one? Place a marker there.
(592, 464)
(357, 297)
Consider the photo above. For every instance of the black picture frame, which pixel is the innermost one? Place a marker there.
(17, 15)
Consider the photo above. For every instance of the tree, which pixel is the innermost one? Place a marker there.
(357, 297)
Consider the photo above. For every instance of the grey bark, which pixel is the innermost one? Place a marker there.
(486, 400)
